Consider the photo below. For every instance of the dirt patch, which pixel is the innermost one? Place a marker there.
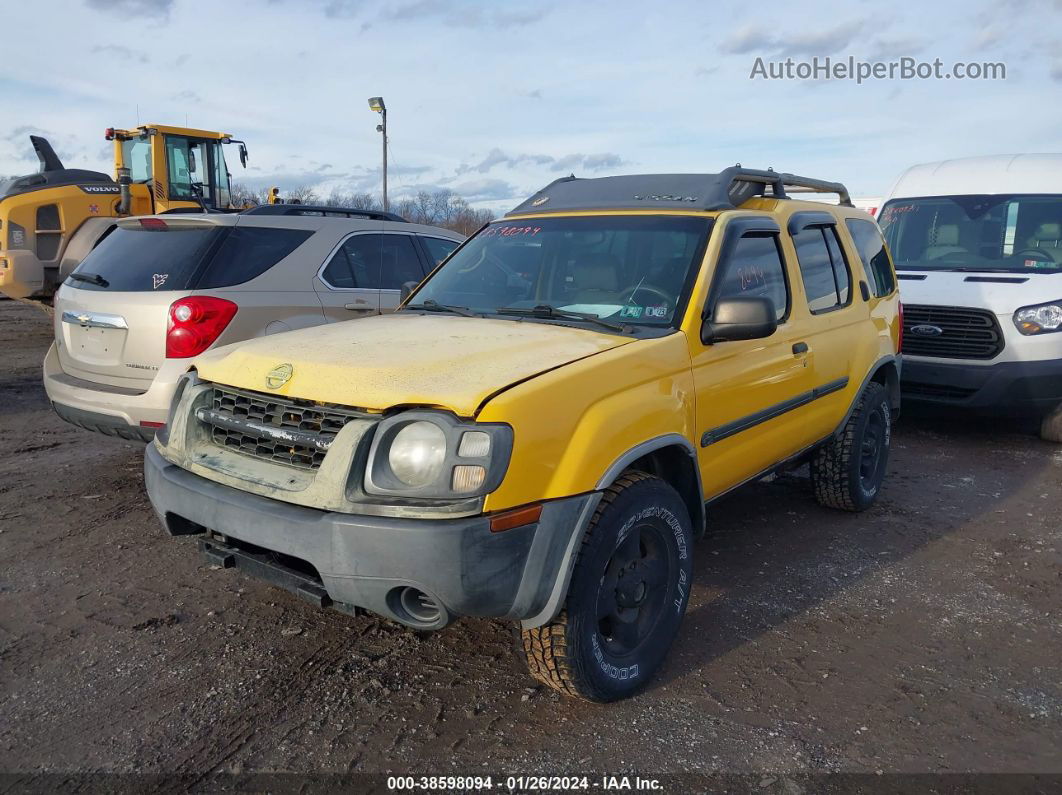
(922, 636)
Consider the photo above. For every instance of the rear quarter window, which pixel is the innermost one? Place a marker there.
(249, 251)
(871, 246)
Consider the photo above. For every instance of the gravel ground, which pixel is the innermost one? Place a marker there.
(920, 637)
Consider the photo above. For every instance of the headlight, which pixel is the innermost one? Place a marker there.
(434, 455)
(418, 453)
(1039, 319)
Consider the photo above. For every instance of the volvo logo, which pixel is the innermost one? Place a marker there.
(279, 376)
(83, 320)
(926, 330)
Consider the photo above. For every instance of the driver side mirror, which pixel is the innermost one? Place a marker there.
(407, 290)
(745, 318)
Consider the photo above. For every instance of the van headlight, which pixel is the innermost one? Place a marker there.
(1039, 319)
(435, 455)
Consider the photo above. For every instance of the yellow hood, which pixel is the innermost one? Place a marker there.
(404, 359)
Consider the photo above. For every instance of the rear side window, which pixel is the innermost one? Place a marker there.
(871, 246)
(374, 262)
(147, 260)
(755, 270)
(249, 251)
(823, 270)
(438, 248)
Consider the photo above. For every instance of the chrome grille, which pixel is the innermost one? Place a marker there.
(964, 333)
(293, 432)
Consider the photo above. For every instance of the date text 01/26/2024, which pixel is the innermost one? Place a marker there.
(530, 783)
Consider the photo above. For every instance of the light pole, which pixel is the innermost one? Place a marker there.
(377, 104)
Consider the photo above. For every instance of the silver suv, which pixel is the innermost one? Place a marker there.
(159, 290)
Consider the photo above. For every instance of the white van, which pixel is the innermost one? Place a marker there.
(977, 244)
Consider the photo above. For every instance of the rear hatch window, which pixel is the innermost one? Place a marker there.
(183, 256)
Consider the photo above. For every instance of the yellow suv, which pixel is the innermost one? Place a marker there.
(536, 434)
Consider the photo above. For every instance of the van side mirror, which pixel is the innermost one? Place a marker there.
(740, 319)
(407, 290)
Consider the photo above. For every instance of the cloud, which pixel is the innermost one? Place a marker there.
(119, 51)
(889, 48)
(1056, 71)
(484, 190)
(496, 157)
(755, 38)
(748, 39)
(137, 8)
(463, 15)
(187, 96)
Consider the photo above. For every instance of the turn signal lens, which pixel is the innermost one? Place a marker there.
(518, 518)
(468, 478)
(195, 324)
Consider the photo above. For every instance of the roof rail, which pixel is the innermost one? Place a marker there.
(321, 210)
(727, 190)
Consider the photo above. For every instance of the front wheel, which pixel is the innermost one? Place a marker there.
(627, 596)
(847, 472)
(1051, 426)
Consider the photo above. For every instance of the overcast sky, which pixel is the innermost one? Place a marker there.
(496, 99)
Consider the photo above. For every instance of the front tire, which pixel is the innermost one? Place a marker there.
(1051, 426)
(627, 596)
(848, 471)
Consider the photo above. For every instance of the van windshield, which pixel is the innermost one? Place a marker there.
(1000, 232)
(634, 270)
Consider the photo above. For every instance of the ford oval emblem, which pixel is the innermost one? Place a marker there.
(926, 330)
(279, 376)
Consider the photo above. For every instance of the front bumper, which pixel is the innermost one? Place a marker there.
(367, 561)
(1027, 386)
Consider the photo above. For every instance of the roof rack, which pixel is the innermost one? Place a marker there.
(727, 190)
(321, 210)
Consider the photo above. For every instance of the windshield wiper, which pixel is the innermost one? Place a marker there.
(91, 278)
(547, 311)
(431, 305)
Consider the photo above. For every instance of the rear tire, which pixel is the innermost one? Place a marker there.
(627, 596)
(1051, 427)
(848, 471)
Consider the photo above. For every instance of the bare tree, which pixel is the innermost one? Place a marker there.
(434, 208)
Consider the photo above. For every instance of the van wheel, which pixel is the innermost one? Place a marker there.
(627, 596)
(1051, 427)
(847, 472)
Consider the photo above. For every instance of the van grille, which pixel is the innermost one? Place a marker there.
(297, 433)
(964, 333)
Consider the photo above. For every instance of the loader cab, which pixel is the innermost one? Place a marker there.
(178, 166)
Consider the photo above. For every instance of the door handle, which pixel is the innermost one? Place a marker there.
(359, 305)
(800, 348)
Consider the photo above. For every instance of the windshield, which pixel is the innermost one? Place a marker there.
(630, 269)
(1013, 233)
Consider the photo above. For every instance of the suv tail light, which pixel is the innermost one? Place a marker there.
(195, 323)
(899, 344)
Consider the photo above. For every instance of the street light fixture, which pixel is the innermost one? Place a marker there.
(377, 104)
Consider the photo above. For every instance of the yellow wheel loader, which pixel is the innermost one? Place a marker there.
(50, 220)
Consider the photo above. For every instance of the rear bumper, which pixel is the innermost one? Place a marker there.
(106, 409)
(1030, 386)
(367, 561)
(106, 424)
